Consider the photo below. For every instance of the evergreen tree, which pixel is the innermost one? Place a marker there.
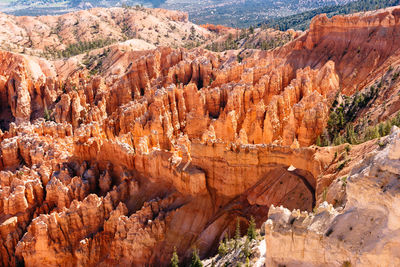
(246, 248)
(47, 114)
(325, 138)
(237, 233)
(338, 140)
(387, 127)
(222, 249)
(251, 29)
(381, 129)
(174, 259)
(332, 123)
(237, 230)
(372, 133)
(318, 141)
(396, 120)
(350, 134)
(196, 262)
(251, 231)
(239, 58)
(376, 133)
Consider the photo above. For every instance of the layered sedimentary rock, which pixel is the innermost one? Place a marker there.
(147, 27)
(363, 233)
(167, 147)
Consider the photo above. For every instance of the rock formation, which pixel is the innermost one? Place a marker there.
(166, 147)
(38, 35)
(363, 233)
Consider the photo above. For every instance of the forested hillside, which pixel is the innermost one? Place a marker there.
(302, 21)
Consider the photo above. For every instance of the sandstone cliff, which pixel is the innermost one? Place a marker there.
(167, 147)
(363, 233)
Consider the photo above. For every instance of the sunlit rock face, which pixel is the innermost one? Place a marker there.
(167, 147)
(364, 232)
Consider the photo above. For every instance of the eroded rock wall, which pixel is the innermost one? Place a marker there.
(363, 233)
(167, 147)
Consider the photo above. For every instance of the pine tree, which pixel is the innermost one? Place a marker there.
(325, 138)
(222, 249)
(318, 141)
(381, 129)
(387, 127)
(47, 114)
(251, 29)
(246, 248)
(196, 262)
(237, 230)
(397, 120)
(174, 259)
(376, 132)
(351, 136)
(237, 233)
(251, 231)
(338, 140)
(372, 133)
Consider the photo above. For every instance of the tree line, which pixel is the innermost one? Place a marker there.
(302, 20)
(77, 48)
(341, 128)
(226, 246)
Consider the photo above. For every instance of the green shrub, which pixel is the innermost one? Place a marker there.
(78, 48)
(47, 115)
(246, 248)
(344, 181)
(341, 165)
(247, 262)
(196, 262)
(341, 128)
(324, 193)
(318, 141)
(222, 249)
(237, 233)
(174, 259)
(381, 143)
(251, 231)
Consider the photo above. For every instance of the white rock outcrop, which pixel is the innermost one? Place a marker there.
(365, 232)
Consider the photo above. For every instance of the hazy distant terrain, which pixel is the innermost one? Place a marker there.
(54, 7)
(131, 136)
(236, 13)
(301, 21)
(239, 13)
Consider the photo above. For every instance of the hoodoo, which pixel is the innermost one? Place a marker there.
(126, 153)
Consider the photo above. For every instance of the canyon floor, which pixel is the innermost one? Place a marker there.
(119, 150)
